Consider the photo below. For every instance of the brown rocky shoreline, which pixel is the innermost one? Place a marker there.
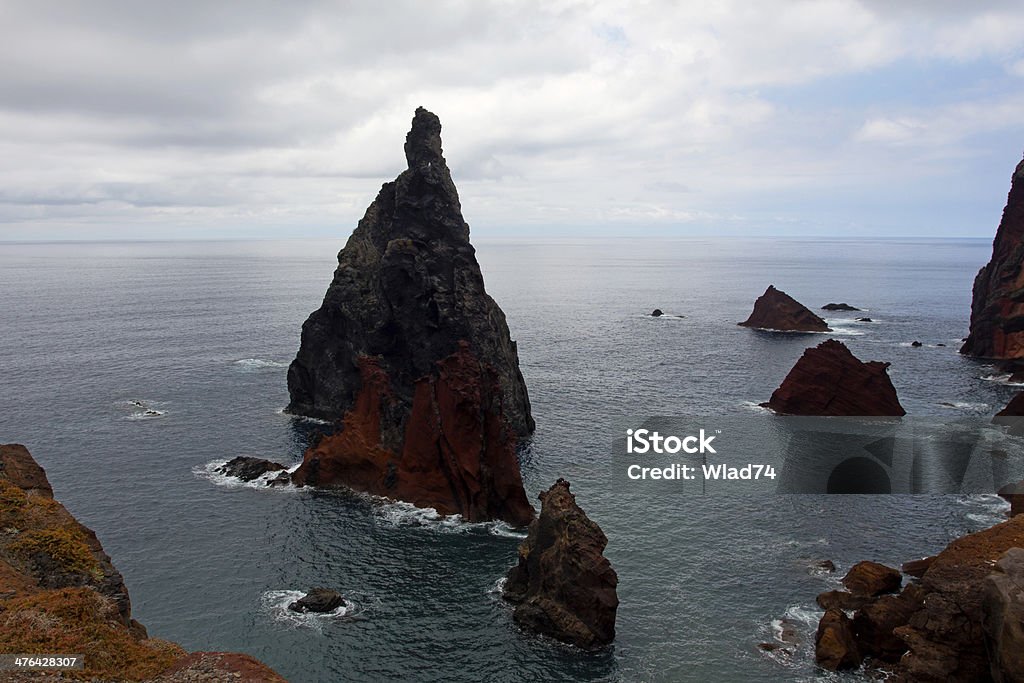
(60, 593)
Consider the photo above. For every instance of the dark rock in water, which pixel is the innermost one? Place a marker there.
(656, 313)
(1003, 609)
(1014, 495)
(834, 646)
(829, 380)
(282, 479)
(839, 307)
(1017, 377)
(917, 568)
(841, 600)
(413, 357)
(563, 586)
(872, 578)
(248, 468)
(865, 320)
(997, 308)
(318, 600)
(916, 344)
(776, 310)
(825, 565)
(940, 345)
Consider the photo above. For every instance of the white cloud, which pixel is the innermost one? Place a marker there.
(291, 115)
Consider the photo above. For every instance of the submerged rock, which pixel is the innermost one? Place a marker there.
(830, 380)
(656, 313)
(60, 593)
(248, 468)
(997, 308)
(413, 358)
(776, 310)
(916, 344)
(839, 307)
(562, 585)
(318, 600)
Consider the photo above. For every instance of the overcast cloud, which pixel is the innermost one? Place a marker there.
(266, 119)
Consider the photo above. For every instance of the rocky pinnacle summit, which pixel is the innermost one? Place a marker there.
(412, 359)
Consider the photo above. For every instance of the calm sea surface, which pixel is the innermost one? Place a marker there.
(94, 335)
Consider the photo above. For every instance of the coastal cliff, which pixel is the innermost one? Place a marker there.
(412, 358)
(997, 308)
(828, 380)
(60, 593)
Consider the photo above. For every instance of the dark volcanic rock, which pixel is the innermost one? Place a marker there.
(1003, 608)
(916, 344)
(247, 468)
(834, 646)
(656, 313)
(413, 357)
(829, 380)
(872, 578)
(318, 600)
(839, 307)
(997, 309)
(563, 586)
(864, 320)
(776, 310)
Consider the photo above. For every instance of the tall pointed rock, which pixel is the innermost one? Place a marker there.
(413, 359)
(997, 310)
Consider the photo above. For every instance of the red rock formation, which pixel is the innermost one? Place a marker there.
(1014, 495)
(872, 579)
(829, 380)
(776, 310)
(457, 454)
(834, 645)
(60, 593)
(1012, 415)
(997, 309)
(563, 586)
(942, 621)
(1003, 606)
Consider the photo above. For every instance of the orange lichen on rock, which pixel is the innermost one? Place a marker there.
(60, 593)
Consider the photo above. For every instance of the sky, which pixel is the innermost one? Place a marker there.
(198, 119)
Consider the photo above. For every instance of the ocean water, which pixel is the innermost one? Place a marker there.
(131, 369)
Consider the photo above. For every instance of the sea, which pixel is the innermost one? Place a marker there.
(131, 370)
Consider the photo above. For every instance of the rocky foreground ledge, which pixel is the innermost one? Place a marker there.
(60, 593)
(960, 617)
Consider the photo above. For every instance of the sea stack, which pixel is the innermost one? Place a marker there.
(412, 359)
(60, 593)
(563, 586)
(776, 310)
(828, 380)
(997, 309)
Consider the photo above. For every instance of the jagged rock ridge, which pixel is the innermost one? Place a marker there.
(776, 310)
(997, 308)
(828, 380)
(563, 586)
(413, 358)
